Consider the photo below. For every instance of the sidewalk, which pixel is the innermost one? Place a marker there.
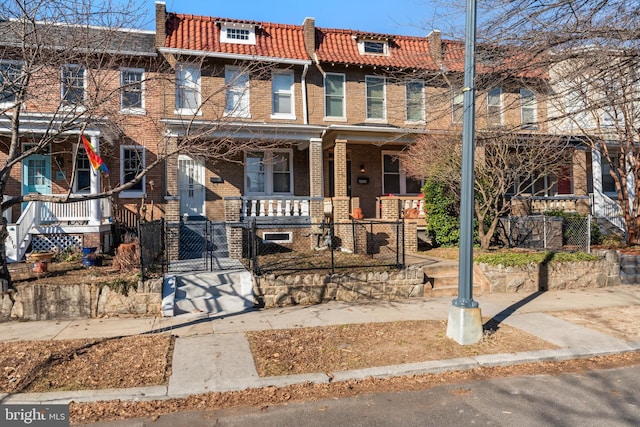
(212, 354)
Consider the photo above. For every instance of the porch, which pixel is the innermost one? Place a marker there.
(45, 226)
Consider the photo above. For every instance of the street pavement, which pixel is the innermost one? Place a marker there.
(212, 353)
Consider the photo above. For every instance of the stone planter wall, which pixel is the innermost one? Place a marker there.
(273, 291)
(32, 301)
(534, 277)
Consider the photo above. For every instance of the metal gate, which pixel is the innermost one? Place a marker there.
(193, 245)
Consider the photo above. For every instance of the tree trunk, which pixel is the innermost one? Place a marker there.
(5, 276)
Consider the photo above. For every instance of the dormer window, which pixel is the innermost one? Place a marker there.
(373, 47)
(234, 32)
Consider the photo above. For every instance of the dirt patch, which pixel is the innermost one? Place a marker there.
(87, 364)
(344, 347)
(270, 396)
(617, 321)
(71, 272)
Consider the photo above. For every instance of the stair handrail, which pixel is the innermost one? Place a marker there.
(27, 220)
(608, 209)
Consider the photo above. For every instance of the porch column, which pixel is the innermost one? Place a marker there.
(340, 168)
(316, 180)
(96, 211)
(341, 205)
(596, 176)
(172, 209)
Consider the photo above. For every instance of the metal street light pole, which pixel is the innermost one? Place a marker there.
(465, 320)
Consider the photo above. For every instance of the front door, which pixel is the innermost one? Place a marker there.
(191, 186)
(36, 174)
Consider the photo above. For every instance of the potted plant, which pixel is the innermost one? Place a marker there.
(40, 260)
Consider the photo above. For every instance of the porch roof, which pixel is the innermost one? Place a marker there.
(242, 130)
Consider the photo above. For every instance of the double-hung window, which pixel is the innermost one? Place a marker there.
(187, 89)
(132, 90)
(132, 162)
(237, 92)
(10, 72)
(334, 95)
(528, 109)
(282, 94)
(83, 171)
(415, 101)
(376, 102)
(269, 172)
(395, 180)
(73, 87)
(494, 107)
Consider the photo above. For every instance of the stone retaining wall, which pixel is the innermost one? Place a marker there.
(534, 277)
(32, 301)
(272, 291)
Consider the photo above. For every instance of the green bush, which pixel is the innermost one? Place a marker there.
(442, 214)
(511, 259)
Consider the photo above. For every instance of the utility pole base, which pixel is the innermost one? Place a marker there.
(464, 325)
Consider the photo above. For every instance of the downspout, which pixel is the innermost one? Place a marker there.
(303, 82)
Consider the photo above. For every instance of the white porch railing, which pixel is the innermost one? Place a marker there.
(19, 237)
(275, 206)
(40, 213)
(73, 211)
(609, 209)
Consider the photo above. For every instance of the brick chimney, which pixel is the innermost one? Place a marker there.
(161, 23)
(435, 46)
(309, 34)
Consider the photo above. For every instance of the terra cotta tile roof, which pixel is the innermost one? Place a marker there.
(202, 33)
(341, 46)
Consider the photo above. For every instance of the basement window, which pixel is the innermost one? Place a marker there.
(279, 237)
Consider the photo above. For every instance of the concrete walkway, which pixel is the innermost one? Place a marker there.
(212, 352)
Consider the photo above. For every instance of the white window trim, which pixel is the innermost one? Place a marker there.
(533, 107)
(10, 104)
(344, 97)
(384, 99)
(401, 172)
(454, 95)
(75, 165)
(246, 94)
(268, 173)
(385, 47)
(292, 115)
(133, 193)
(71, 107)
(227, 25)
(499, 105)
(423, 102)
(142, 109)
(197, 86)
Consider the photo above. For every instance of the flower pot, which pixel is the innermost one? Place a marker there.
(40, 267)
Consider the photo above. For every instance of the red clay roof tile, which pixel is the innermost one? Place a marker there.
(202, 33)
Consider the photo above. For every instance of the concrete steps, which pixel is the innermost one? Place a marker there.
(442, 279)
(208, 292)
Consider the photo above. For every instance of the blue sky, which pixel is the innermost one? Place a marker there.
(406, 17)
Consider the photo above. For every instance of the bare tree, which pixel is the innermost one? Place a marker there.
(592, 52)
(507, 166)
(60, 75)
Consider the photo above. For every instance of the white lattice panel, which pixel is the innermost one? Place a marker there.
(47, 242)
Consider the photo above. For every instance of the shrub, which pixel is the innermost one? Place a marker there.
(441, 214)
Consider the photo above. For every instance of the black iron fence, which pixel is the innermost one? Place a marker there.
(273, 247)
(152, 253)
